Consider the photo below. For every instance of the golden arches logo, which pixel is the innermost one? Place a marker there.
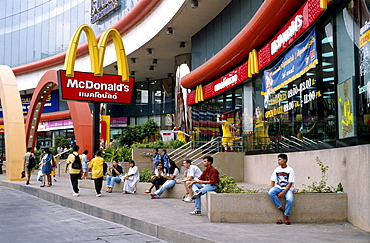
(252, 63)
(199, 94)
(97, 52)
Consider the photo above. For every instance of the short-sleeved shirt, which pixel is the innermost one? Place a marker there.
(194, 172)
(70, 160)
(175, 173)
(156, 158)
(156, 172)
(119, 169)
(26, 157)
(283, 176)
(97, 167)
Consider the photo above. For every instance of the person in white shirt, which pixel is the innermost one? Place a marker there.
(170, 182)
(193, 172)
(130, 180)
(282, 185)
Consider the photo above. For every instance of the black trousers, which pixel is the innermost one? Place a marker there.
(157, 182)
(74, 181)
(98, 184)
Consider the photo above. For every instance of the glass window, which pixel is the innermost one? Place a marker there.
(155, 96)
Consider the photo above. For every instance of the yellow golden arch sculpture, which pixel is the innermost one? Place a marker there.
(15, 141)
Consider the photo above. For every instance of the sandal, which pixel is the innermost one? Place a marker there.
(286, 221)
(147, 191)
(154, 196)
(279, 222)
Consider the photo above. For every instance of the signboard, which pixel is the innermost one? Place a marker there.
(88, 87)
(101, 8)
(118, 122)
(294, 64)
(295, 27)
(222, 84)
(55, 125)
(51, 104)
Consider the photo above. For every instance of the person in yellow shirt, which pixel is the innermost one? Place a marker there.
(227, 138)
(96, 164)
(180, 134)
(74, 174)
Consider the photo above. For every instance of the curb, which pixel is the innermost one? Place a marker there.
(163, 233)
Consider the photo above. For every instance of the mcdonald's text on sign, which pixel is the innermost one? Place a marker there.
(88, 87)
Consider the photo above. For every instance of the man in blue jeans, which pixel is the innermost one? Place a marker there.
(208, 181)
(282, 181)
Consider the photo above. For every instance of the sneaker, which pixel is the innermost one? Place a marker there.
(76, 194)
(188, 200)
(196, 195)
(98, 195)
(195, 212)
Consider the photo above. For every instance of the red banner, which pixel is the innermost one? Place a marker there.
(87, 87)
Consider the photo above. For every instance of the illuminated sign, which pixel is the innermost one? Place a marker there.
(88, 87)
(94, 86)
(101, 8)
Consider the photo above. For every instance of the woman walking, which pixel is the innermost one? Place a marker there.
(46, 166)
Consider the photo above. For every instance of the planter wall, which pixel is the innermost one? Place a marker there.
(258, 207)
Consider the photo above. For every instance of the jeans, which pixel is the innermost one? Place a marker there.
(98, 184)
(168, 184)
(289, 198)
(112, 179)
(204, 188)
(74, 182)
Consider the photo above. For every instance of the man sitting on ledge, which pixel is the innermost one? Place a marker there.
(282, 180)
(208, 181)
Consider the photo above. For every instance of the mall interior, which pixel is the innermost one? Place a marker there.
(291, 76)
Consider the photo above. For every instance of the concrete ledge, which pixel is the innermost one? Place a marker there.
(258, 207)
(177, 191)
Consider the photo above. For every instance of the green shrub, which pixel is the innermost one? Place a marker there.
(146, 175)
(228, 185)
(122, 154)
(174, 144)
(321, 185)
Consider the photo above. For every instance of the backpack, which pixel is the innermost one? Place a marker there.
(31, 162)
(77, 163)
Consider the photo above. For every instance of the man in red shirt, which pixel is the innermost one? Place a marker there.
(208, 181)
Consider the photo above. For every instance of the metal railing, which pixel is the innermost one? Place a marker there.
(195, 150)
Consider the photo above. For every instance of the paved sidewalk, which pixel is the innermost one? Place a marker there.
(26, 218)
(169, 218)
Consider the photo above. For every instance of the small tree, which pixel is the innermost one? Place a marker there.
(61, 141)
(138, 132)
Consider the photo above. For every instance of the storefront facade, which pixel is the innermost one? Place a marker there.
(310, 91)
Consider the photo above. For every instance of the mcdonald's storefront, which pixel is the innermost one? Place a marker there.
(306, 89)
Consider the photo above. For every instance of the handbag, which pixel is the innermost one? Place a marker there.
(23, 174)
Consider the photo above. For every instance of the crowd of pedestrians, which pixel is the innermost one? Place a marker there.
(165, 176)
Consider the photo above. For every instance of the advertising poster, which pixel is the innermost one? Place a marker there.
(346, 120)
(51, 104)
(293, 65)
